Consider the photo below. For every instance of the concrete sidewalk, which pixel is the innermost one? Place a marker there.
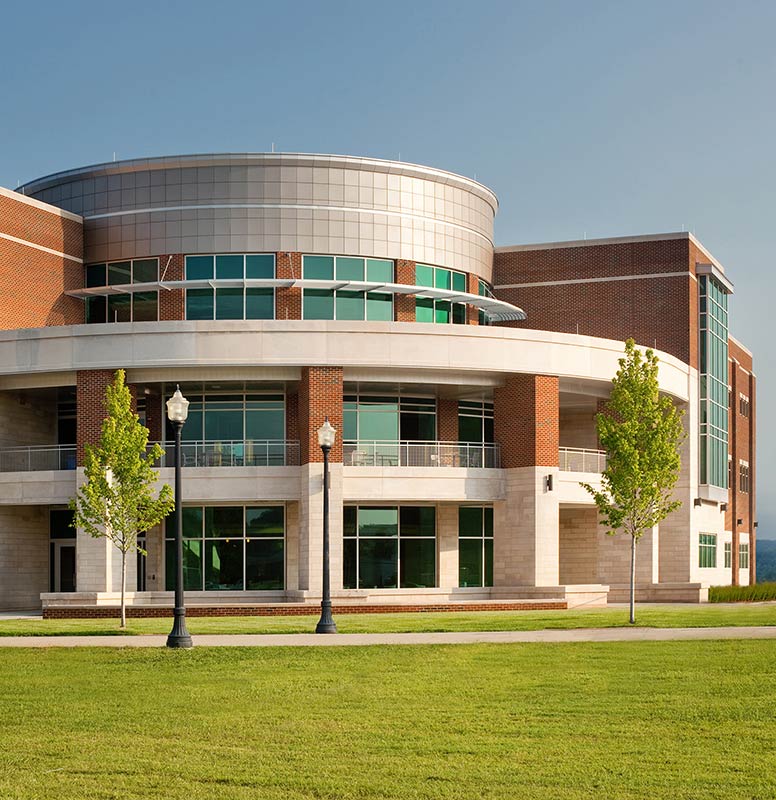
(366, 639)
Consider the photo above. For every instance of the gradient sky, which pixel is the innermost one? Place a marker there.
(587, 119)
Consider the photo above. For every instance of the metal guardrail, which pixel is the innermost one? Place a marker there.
(235, 453)
(573, 459)
(37, 458)
(420, 454)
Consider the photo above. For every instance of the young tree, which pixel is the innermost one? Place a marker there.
(117, 500)
(640, 432)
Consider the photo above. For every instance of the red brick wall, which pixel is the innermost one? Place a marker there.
(526, 421)
(320, 396)
(154, 419)
(404, 305)
(288, 302)
(32, 281)
(472, 287)
(292, 417)
(90, 406)
(447, 420)
(659, 312)
(171, 304)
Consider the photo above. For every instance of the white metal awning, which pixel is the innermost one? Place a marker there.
(495, 310)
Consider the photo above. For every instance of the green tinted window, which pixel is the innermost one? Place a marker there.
(259, 303)
(424, 276)
(145, 270)
(418, 563)
(442, 311)
(350, 305)
(264, 521)
(379, 306)
(96, 309)
(378, 521)
(229, 266)
(459, 282)
(199, 268)
(260, 266)
(223, 522)
(199, 304)
(418, 521)
(224, 565)
(350, 269)
(95, 275)
(119, 273)
(145, 307)
(424, 309)
(264, 564)
(469, 521)
(318, 304)
(229, 304)
(263, 425)
(119, 308)
(318, 268)
(442, 278)
(378, 270)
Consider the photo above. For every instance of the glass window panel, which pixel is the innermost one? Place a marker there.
(264, 521)
(378, 425)
(379, 306)
(349, 514)
(459, 314)
(424, 309)
(231, 266)
(318, 267)
(424, 276)
(264, 564)
(469, 429)
(192, 428)
(224, 565)
(378, 270)
(95, 275)
(259, 303)
(350, 269)
(265, 424)
(488, 543)
(459, 282)
(192, 565)
(378, 521)
(349, 424)
(199, 304)
(199, 268)
(442, 278)
(469, 521)
(145, 307)
(192, 522)
(418, 563)
(318, 304)
(418, 520)
(350, 305)
(229, 304)
(378, 563)
(488, 520)
(223, 522)
(470, 562)
(145, 270)
(349, 551)
(418, 427)
(223, 424)
(260, 266)
(489, 431)
(442, 311)
(96, 309)
(119, 308)
(119, 273)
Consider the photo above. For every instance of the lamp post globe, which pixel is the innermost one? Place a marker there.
(327, 435)
(177, 412)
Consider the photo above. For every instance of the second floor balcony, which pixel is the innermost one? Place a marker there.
(372, 453)
(575, 459)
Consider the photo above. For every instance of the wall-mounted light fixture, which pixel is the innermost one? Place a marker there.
(723, 506)
(548, 483)
(739, 522)
(697, 502)
(754, 525)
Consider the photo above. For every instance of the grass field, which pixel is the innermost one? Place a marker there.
(646, 615)
(627, 720)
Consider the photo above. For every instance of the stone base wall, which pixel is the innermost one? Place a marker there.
(24, 555)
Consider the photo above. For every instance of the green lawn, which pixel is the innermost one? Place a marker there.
(646, 615)
(627, 720)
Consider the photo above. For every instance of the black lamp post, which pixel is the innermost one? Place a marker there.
(177, 411)
(326, 436)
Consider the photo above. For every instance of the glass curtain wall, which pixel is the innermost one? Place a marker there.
(714, 382)
(228, 548)
(237, 302)
(138, 307)
(440, 311)
(346, 304)
(475, 546)
(389, 547)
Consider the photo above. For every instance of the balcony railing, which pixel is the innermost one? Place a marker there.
(37, 458)
(420, 454)
(236, 453)
(573, 459)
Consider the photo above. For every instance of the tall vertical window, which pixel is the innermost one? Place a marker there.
(385, 547)
(743, 555)
(728, 550)
(346, 303)
(713, 382)
(228, 548)
(743, 405)
(743, 477)
(475, 546)
(707, 550)
(428, 309)
(128, 307)
(230, 302)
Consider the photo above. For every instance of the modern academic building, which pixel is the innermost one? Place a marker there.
(463, 380)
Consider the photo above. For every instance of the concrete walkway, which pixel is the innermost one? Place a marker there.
(366, 639)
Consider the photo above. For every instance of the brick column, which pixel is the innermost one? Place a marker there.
(472, 287)
(288, 302)
(447, 420)
(320, 396)
(90, 407)
(171, 303)
(526, 535)
(155, 418)
(404, 305)
(292, 417)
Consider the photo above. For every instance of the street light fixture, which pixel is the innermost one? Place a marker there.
(326, 437)
(177, 411)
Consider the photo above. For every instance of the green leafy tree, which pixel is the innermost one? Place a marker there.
(640, 432)
(118, 500)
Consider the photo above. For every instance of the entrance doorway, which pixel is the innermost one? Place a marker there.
(63, 565)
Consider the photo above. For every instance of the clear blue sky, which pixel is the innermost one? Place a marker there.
(596, 118)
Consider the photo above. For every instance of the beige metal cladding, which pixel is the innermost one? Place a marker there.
(278, 202)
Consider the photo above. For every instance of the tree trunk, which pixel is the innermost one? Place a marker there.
(633, 582)
(123, 589)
